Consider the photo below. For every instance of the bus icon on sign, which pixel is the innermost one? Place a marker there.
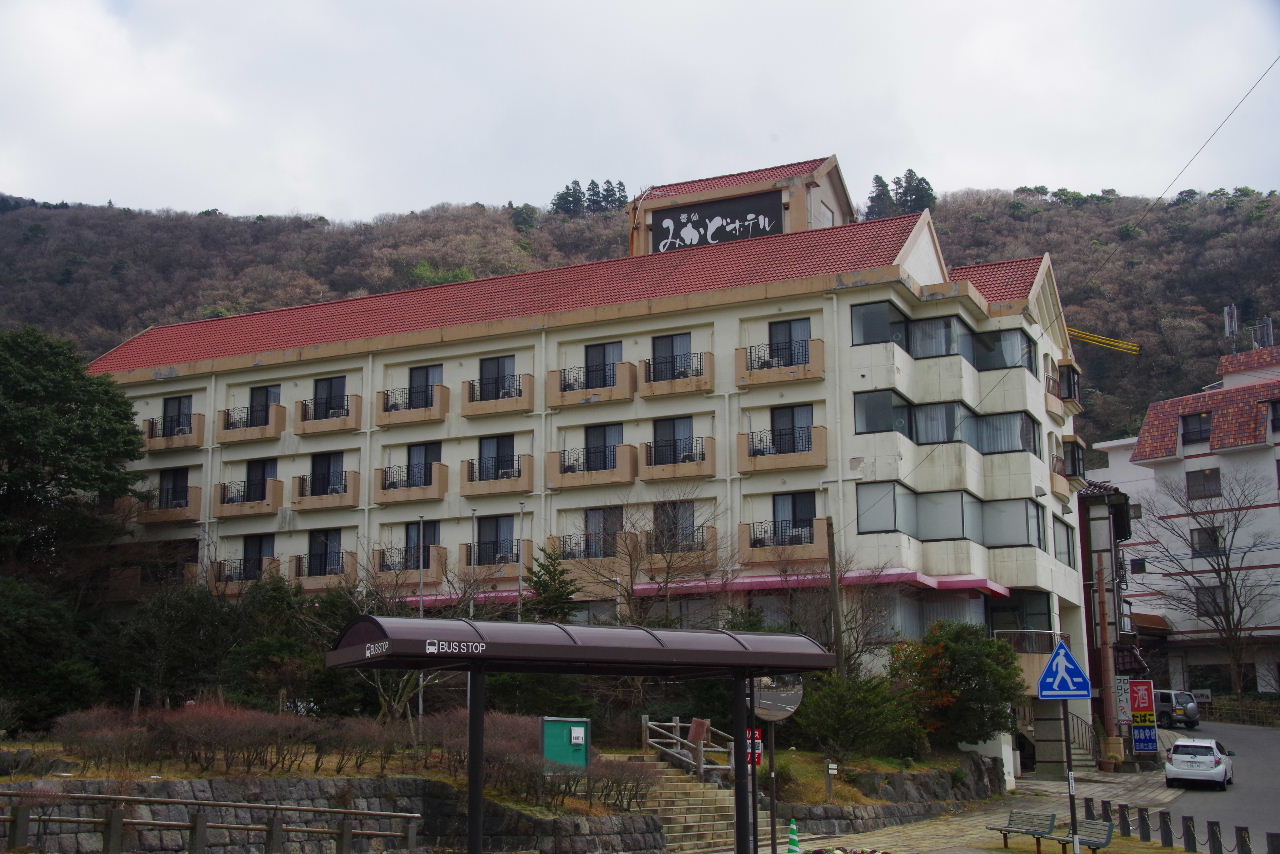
(433, 646)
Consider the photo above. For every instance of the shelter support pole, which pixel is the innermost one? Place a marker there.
(741, 772)
(475, 760)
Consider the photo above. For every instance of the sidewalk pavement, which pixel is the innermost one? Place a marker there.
(965, 832)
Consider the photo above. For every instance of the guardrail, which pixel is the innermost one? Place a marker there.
(665, 737)
(1124, 818)
(20, 819)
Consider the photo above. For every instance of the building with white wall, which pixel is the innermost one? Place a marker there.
(1202, 474)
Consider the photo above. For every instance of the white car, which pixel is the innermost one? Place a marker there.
(1198, 759)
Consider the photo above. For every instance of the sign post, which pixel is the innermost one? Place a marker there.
(1064, 679)
(775, 699)
(1142, 701)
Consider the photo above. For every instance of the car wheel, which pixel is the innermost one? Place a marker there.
(1191, 724)
(1222, 786)
(1231, 781)
(1164, 721)
(1169, 784)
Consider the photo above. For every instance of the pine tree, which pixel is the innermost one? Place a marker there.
(621, 190)
(554, 588)
(560, 201)
(577, 200)
(881, 203)
(913, 193)
(609, 196)
(595, 204)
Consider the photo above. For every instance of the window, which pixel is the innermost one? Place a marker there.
(602, 446)
(173, 489)
(1064, 542)
(940, 336)
(1206, 542)
(889, 506)
(1006, 432)
(1196, 428)
(324, 552)
(882, 412)
(330, 399)
(673, 442)
(261, 399)
(601, 526)
(1007, 348)
(422, 382)
(1025, 610)
(418, 538)
(601, 368)
(256, 475)
(879, 322)
(176, 420)
(497, 458)
(421, 457)
(1137, 565)
(790, 432)
(1135, 511)
(672, 358)
(792, 525)
(1205, 483)
(788, 343)
(498, 378)
(496, 542)
(327, 476)
(255, 549)
(935, 423)
(1211, 601)
(1275, 416)
(673, 528)
(1019, 522)
(1074, 454)
(1068, 382)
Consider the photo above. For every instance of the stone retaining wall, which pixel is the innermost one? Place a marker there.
(441, 805)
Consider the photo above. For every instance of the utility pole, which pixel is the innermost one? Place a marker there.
(837, 613)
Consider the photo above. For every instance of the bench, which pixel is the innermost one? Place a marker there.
(1037, 824)
(1093, 833)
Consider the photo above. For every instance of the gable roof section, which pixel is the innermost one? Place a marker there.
(849, 248)
(1002, 281)
(1250, 360)
(1239, 419)
(738, 179)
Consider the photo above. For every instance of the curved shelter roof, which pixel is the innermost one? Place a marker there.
(460, 644)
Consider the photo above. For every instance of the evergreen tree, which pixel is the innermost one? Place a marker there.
(595, 203)
(621, 189)
(913, 193)
(554, 586)
(609, 196)
(881, 203)
(576, 200)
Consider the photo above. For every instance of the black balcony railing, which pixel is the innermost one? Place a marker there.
(782, 354)
(238, 492)
(494, 552)
(325, 484)
(171, 498)
(241, 417)
(414, 397)
(666, 452)
(170, 425)
(405, 560)
(1035, 641)
(403, 477)
(495, 468)
(677, 540)
(323, 563)
(243, 569)
(599, 458)
(592, 376)
(679, 367)
(782, 440)
(781, 532)
(495, 388)
(320, 408)
(589, 545)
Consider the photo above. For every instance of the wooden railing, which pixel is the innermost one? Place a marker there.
(669, 737)
(197, 825)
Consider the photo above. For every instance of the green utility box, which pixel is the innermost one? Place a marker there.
(567, 741)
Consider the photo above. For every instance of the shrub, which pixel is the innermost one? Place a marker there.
(870, 717)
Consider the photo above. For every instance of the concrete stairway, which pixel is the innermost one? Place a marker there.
(695, 816)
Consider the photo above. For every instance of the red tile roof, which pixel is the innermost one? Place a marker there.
(738, 179)
(860, 246)
(1240, 417)
(1250, 360)
(1003, 280)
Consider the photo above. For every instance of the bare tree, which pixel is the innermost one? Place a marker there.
(1197, 539)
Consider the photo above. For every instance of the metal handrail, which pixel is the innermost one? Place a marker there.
(590, 458)
(331, 484)
(779, 354)
(1083, 735)
(665, 452)
(403, 477)
(413, 397)
(669, 737)
(678, 367)
(780, 440)
(320, 408)
(591, 376)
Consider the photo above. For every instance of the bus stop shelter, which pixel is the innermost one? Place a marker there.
(396, 643)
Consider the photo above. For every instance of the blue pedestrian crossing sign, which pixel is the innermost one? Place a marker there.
(1063, 678)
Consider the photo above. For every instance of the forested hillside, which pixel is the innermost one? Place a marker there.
(100, 274)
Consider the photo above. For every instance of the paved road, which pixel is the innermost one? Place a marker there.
(1254, 800)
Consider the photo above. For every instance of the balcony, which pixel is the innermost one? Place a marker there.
(326, 493)
(173, 433)
(1053, 403)
(496, 558)
(777, 450)
(398, 484)
(678, 458)
(782, 542)
(250, 423)
(1033, 649)
(404, 564)
(497, 475)
(680, 550)
(601, 466)
(689, 374)
(602, 384)
(328, 415)
(170, 506)
(411, 406)
(248, 498)
(323, 570)
(793, 361)
(232, 577)
(512, 393)
(1058, 483)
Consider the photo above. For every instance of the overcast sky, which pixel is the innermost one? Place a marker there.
(351, 109)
